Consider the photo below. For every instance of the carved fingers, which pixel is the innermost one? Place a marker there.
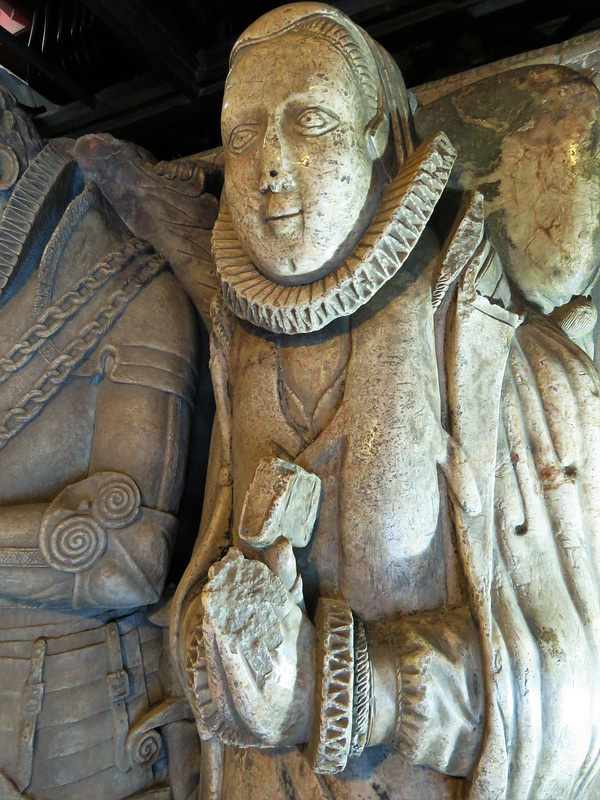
(184, 170)
(253, 675)
(149, 197)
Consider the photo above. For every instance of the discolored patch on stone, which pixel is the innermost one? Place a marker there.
(528, 140)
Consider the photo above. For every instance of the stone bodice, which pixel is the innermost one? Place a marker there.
(377, 452)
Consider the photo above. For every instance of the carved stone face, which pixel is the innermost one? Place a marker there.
(299, 174)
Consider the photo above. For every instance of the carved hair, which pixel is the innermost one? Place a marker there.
(378, 75)
(343, 39)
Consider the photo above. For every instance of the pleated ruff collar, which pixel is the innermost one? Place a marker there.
(405, 209)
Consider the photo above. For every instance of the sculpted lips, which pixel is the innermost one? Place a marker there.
(275, 215)
(284, 222)
(279, 207)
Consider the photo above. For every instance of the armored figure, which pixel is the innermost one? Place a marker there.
(97, 375)
(404, 460)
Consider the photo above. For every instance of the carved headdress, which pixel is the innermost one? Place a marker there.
(417, 178)
(379, 77)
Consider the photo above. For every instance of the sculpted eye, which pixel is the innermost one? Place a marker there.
(316, 121)
(242, 137)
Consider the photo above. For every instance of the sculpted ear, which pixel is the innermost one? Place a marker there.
(378, 131)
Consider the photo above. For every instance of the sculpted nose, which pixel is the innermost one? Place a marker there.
(275, 173)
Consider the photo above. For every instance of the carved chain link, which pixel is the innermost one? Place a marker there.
(51, 381)
(55, 317)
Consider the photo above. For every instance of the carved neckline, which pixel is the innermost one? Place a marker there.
(23, 208)
(404, 211)
(50, 260)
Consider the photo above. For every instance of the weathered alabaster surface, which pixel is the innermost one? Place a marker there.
(98, 360)
(527, 140)
(395, 589)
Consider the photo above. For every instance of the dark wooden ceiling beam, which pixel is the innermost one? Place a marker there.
(175, 109)
(160, 39)
(47, 68)
(117, 106)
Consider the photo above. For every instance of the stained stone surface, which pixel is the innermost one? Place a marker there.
(434, 374)
(395, 589)
(528, 140)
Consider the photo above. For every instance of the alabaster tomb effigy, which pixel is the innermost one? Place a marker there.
(405, 458)
(394, 591)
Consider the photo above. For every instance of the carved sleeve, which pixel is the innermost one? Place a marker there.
(141, 432)
(414, 684)
(105, 541)
(142, 420)
(439, 677)
(75, 551)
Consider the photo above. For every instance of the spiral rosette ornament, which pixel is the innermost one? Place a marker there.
(117, 503)
(74, 544)
(143, 748)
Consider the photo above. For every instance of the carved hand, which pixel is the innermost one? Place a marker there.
(167, 204)
(254, 673)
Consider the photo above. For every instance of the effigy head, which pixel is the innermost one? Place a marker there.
(312, 128)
